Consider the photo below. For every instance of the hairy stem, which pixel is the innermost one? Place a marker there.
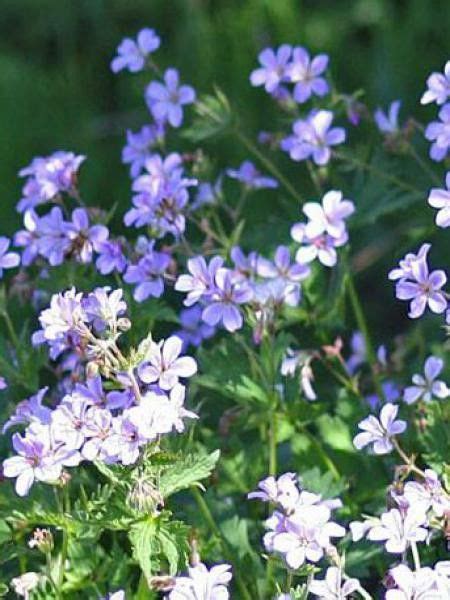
(269, 165)
(227, 550)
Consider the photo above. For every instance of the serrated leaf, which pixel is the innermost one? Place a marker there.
(187, 471)
(144, 542)
(174, 546)
(213, 116)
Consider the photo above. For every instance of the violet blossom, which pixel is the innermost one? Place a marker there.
(29, 411)
(399, 529)
(110, 257)
(440, 199)
(166, 101)
(438, 132)
(273, 70)
(132, 55)
(306, 74)
(138, 148)
(387, 122)
(428, 386)
(251, 177)
(438, 87)
(147, 275)
(423, 289)
(193, 330)
(85, 238)
(323, 247)
(427, 494)
(380, 431)
(8, 260)
(328, 217)
(312, 138)
(199, 283)
(229, 293)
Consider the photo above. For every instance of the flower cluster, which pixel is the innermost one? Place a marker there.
(438, 132)
(300, 529)
(93, 422)
(325, 230)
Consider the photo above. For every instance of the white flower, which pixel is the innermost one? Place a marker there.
(332, 587)
(379, 431)
(328, 217)
(164, 365)
(25, 583)
(413, 585)
(428, 494)
(203, 584)
(398, 530)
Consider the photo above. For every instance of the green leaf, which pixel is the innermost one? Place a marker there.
(213, 117)
(5, 532)
(144, 542)
(186, 471)
(172, 537)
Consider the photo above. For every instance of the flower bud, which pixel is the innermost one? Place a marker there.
(42, 540)
(145, 497)
(123, 324)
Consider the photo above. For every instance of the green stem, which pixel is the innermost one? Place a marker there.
(328, 463)
(228, 551)
(269, 165)
(400, 183)
(65, 508)
(362, 325)
(273, 444)
(416, 556)
(423, 165)
(10, 327)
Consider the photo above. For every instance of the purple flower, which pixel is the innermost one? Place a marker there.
(193, 331)
(138, 148)
(37, 458)
(439, 198)
(322, 247)
(283, 491)
(68, 420)
(84, 237)
(438, 87)
(379, 431)
(273, 68)
(163, 364)
(305, 73)
(102, 308)
(359, 352)
(30, 411)
(391, 393)
(404, 269)
(201, 279)
(28, 238)
(96, 429)
(229, 292)
(47, 177)
(3, 384)
(398, 530)
(333, 587)
(65, 316)
(166, 101)
(8, 260)
(306, 536)
(287, 274)
(251, 177)
(388, 122)
(425, 289)
(53, 241)
(313, 137)
(147, 275)
(159, 170)
(132, 54)
(439, 133)
(425, 388)
(110, 257)
(202, 584)
(329, 217)
(427, 494)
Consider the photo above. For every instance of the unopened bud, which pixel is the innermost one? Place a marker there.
(145, 497)
(42, 540)
(123, 324)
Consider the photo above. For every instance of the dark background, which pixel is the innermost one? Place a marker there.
(57, 91)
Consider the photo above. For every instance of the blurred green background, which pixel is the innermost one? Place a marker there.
(57, 91)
